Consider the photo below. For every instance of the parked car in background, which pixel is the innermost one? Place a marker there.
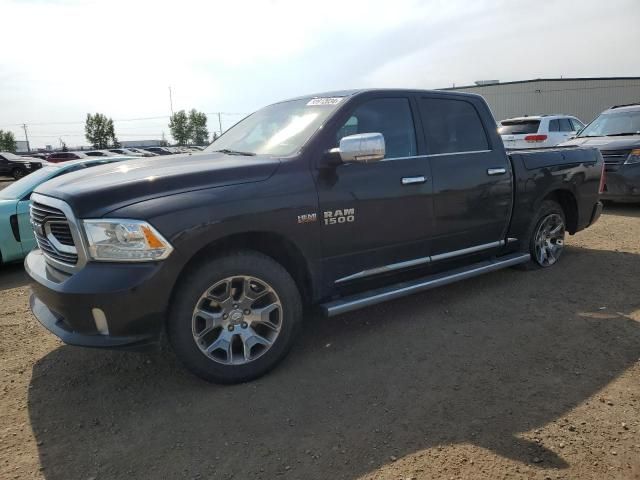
(131, 152)
(538, 130)
(39, 156)
(374, 195)
(58, 157)
(159, 150)
(12, 165)
(143, 152)
(616, 132)
(100, 153)
(16, 233)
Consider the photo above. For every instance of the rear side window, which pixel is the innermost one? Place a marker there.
(554, 126)
(452, 126)
(518, 127)
(389, 116)
(565, 125)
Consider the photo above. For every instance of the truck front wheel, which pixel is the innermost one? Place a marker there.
(546, 241)
(235, 317)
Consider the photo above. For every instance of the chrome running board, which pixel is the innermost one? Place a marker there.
(403, 289)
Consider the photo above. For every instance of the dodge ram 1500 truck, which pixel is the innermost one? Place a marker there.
(339, 200)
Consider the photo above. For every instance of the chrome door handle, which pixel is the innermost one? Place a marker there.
(496, 171)
(412, 180)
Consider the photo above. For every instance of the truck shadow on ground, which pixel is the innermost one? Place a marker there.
(478, 362)
(12, 276)
(622, 209)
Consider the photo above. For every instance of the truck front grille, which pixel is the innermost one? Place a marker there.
(614, 158)
(53, 233)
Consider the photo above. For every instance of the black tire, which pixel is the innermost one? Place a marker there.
(548, 209)
(198, 281)
(18, 173)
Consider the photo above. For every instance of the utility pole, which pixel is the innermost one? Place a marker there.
(26, 136)
(170, 101)
(220, 122)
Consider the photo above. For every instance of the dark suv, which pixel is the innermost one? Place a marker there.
(16, 166)
(616, 133)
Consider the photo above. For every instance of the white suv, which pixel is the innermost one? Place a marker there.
(538, 130)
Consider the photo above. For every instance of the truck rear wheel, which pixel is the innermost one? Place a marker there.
(546, 241)
(235, 317)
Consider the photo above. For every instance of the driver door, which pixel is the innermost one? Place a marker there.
(376, 217)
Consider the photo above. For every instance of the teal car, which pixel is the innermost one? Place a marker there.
(16, 235)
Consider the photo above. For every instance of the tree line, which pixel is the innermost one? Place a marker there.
(186, 129)
(7, 142)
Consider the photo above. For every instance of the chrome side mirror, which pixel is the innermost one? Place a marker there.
(362, 148)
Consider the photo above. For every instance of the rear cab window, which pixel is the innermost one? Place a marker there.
(452, 126)
(518, 127)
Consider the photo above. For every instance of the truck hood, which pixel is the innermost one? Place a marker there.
(95, 191)
(605, 143)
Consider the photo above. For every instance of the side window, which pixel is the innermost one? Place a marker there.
(565, 125)
(452, 126)
(554, 126)
(576, 125)
(389, 116)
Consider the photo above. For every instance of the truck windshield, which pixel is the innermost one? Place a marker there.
(613, 124)
(280, 129)
(518, 127)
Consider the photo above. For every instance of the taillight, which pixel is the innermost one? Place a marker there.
(603, 179)
(535, 138)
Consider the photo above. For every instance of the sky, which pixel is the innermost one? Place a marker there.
(64, 58)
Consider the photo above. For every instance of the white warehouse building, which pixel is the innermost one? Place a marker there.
(584, 98)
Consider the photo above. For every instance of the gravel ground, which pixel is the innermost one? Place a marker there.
(511, 375)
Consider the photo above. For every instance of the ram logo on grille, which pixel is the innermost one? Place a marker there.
(38, 228)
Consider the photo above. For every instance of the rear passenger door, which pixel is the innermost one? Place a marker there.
(472, 181)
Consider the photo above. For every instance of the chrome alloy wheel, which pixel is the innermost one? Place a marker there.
(237, 320)
(549, 240)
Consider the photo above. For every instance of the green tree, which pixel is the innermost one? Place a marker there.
(198, 127)
(99, 131)
(180, 128)
(7, 142)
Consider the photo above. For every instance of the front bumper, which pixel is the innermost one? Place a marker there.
(623, 185)
(133, 299)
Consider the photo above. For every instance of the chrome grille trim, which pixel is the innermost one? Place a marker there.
(614, 158)
(60, 237)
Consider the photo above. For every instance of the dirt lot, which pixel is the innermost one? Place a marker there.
(511, 375)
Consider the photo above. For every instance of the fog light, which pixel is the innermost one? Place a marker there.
(100, 320)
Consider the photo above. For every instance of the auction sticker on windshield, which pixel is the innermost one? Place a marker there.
(324, 101)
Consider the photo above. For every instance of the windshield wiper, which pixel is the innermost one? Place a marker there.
(623, 134)
(236, 152)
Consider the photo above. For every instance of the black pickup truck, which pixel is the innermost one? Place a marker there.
(339, 200)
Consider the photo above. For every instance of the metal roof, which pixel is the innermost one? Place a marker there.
(563, 79)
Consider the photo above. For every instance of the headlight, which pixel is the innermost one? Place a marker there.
(114, 240)
(634, 157)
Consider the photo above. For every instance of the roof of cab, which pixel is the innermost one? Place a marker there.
(354, 92)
